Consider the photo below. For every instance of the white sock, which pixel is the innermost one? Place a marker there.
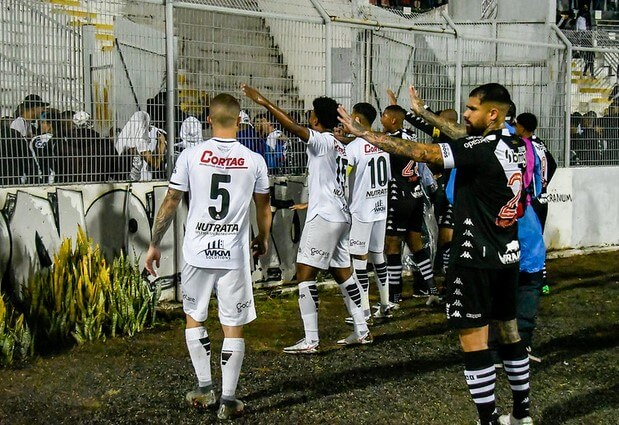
(361, 270)
(308, 304)
(199, 346)
(380, 273)
(232, 353)
(352, 299)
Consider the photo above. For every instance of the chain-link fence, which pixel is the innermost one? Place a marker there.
(85, 85)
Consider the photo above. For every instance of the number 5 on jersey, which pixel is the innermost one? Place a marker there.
(218, 191)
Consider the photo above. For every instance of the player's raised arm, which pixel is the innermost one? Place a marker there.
(419, 152)
(279, 114)
(453, 130)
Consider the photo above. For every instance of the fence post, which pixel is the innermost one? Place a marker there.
(328, 34)
(458, 76)
(568, 92)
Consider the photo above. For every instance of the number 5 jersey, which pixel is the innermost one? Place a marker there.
(221, 176)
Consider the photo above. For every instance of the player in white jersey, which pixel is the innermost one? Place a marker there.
(324, 242)
(221, 176)
(368, 179)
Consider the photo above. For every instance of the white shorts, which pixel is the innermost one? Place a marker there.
(235, 295)
(324, 244)
(367, 236)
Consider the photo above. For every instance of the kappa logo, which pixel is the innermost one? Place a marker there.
(466, 255)
(458, 292)
(458, 281)
(457, 303)
(456, 314)
(467, 244)
(468, 222)
(468, 233)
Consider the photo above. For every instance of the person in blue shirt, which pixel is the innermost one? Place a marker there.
(248, 136)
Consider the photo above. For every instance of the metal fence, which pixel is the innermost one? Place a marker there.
(114, 90)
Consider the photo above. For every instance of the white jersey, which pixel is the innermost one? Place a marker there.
(326, 178)
(368, 180)
(221, 175)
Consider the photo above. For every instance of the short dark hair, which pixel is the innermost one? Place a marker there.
(511, 112)
(325, 110)
(366, 110)
(528, 121)
(492, 92)
(396, 109)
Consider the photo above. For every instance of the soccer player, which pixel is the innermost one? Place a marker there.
(368, 206)
(324, 241)
(483, 272)
(221, 176)
(405, 216)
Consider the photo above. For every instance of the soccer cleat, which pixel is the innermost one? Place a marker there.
(354, 339)
(532, 357)
(392, 306)
(302, 347)
(420, 293)
(383, 312)
(433, 300)
(230, 409)
(510, 420)
(351, 321)
(201, 400)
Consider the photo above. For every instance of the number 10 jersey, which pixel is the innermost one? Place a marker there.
(221, 175)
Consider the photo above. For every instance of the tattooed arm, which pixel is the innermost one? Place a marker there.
(419, 152)
(162, 222)
(453, 130)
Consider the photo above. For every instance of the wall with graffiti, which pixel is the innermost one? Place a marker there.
(119, 216)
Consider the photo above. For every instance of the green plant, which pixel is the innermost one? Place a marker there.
(15, 338)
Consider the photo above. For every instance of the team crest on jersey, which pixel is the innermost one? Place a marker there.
(216, 251)
(512, 253)
(209, 158)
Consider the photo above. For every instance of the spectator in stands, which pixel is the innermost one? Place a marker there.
(26, 115)
(16, 163)
(275, 143)
(43, 146)
(586, 145)
(583, 24)
(145, 143)
(190, 134)
(248, 136)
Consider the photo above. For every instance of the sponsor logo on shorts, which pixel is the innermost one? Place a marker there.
(318, 252)
(241, 306)
(217, 229)
(356, 242)
(468, 222)
(457, 303)
(467, 244)
(473, 316)
(188, 298)
(458, 281)
(379, 207)
(456, 314)
(216, 251)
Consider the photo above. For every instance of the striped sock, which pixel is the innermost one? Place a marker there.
(423, 262)
(361, 270)
(308, 304)
(480, 377)
(380, 272)
(352, 298)
(199, 346)
(394, 270)
(516, 364)
(232, 354)
(446, 251)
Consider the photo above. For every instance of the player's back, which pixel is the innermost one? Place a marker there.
(221, 176)
(368, 180)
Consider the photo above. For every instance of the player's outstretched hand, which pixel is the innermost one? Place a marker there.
(417, 104)
(350, 126)
(153, 255)
(296, 207)
(253, 94)
(392, 99)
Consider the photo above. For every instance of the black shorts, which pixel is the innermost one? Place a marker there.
(404, 215)
(476, 296)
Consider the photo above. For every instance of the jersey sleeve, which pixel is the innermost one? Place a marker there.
(318, 143)
(465, 152)
(352, 152)
(179, 180)
(262, 176)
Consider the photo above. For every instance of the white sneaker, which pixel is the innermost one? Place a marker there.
(354, 339)
(302, 347)
(383, 312)
(393, 306)
(510, 420)
(433, 300)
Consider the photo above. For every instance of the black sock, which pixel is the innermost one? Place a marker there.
(422, 260)
(394, 270)
(480, 377)
(516, 364)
